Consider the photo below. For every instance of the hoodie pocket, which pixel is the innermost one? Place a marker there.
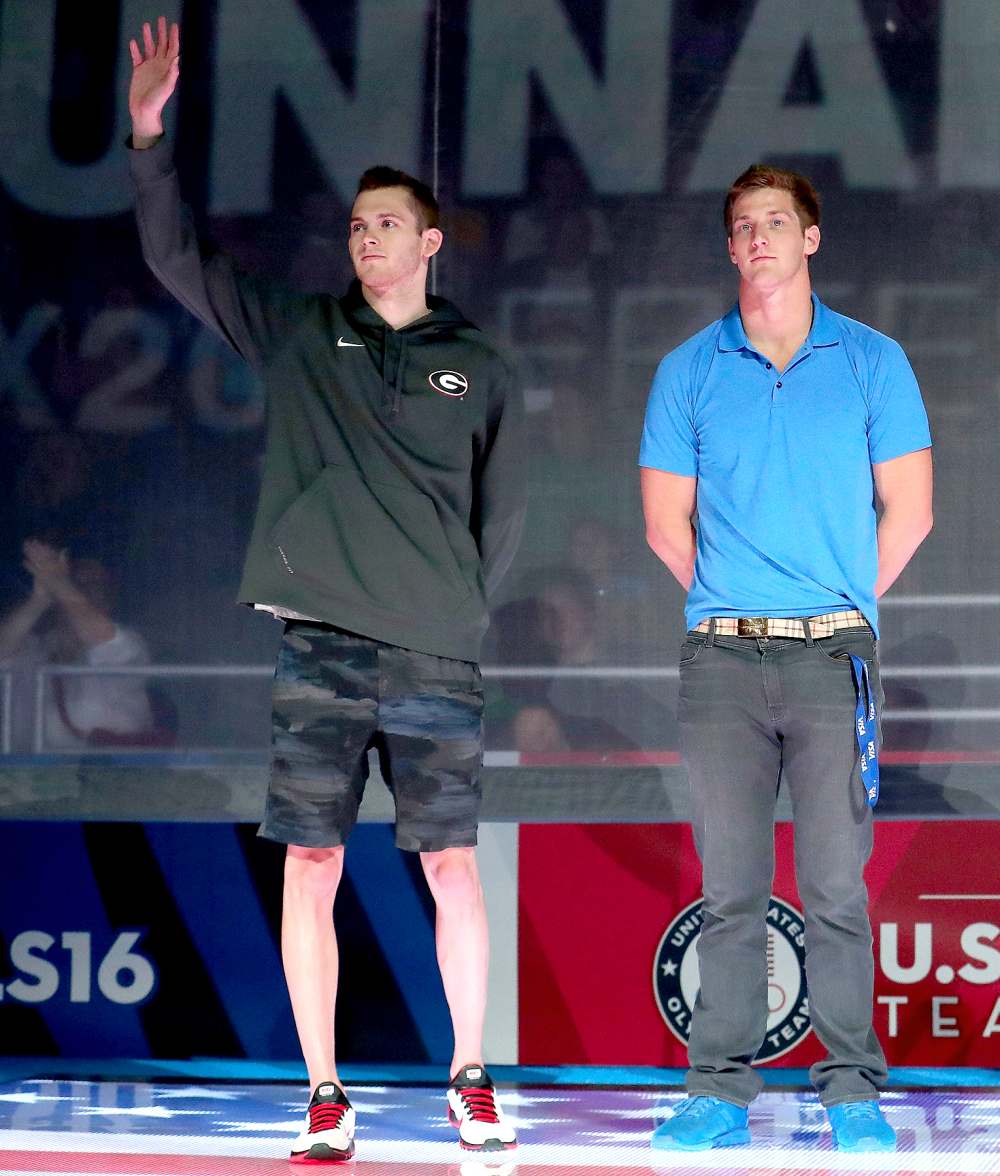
(371, 543)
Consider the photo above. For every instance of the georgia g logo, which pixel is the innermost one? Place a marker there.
(449, 383)
(675, 977)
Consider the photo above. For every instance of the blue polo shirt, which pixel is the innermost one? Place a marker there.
(786, 514)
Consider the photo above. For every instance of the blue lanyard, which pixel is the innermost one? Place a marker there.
(864, 729)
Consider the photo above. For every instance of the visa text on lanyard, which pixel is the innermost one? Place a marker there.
(865, 730)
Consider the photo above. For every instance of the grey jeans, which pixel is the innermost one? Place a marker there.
(755, 713)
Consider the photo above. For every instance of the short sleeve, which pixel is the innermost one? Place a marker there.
(669, 438)
(125, 648)
(897, 419)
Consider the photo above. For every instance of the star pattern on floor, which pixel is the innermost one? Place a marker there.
(593, 1129)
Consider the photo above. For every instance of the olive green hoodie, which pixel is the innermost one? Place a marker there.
(391, 497)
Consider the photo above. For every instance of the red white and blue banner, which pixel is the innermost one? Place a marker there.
(610, 916)
(161, 941)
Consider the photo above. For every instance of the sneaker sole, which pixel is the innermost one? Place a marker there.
(322, 1153)
(490, 1145)
(730, 1139)
(867, 1144)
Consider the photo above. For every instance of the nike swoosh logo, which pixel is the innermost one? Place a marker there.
(342, 342)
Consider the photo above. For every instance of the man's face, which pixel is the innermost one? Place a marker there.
(386, 244)
(767, 244)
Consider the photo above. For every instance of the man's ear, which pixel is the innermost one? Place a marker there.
(430, 242)
(812, 239)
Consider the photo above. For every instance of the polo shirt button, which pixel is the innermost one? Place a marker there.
(778, 385)
(768, 367)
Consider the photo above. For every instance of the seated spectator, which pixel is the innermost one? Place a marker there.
(67, 620)
(554, 622)
(67, 491)
(553, 625)
(628, 614)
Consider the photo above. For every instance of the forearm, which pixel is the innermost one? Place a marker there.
(90, 624)
(900, 533)
(498, 546)
(16, 627)
(675, 545)
(501, 498)
(170, 246)
(247, 313)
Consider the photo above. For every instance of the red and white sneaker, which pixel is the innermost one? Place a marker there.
(474, 1110)
(328, 1134)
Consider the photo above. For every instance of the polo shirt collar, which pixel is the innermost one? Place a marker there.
(732, 336)
(823, 333)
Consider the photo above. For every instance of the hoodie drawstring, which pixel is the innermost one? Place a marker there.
(385, 363)
(393, 402)
(397, 383)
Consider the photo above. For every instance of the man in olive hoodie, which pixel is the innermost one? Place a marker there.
(390, 506)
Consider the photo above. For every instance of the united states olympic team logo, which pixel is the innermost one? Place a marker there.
(675, 977)
(450, 383)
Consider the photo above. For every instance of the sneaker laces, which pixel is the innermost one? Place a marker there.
(861, 1110)
(326, 1116)
(479, 1104)
(700, 1105)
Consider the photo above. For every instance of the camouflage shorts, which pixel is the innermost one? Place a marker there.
(337, 695)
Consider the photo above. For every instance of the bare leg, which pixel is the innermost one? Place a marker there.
(536, 729)
(462, 946)
(309, 952)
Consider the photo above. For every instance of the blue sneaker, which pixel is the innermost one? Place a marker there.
(702, 1122)
(861, 1127)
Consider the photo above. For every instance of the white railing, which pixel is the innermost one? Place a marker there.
(7, 702)
(606, 673)
(43, 674)
(514, 672)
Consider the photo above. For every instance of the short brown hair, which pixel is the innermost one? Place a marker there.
(425, 203)
(804, 196)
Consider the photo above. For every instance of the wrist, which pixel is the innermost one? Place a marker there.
(64, 592)
(144, 136)
(38, 602)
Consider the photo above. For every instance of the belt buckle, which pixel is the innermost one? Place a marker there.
(751, 626)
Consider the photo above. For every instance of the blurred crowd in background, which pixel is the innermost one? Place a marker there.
(130, 435)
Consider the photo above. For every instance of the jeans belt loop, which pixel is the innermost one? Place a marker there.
(711, 631)
(808, 632)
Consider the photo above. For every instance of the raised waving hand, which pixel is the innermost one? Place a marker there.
(155, 69)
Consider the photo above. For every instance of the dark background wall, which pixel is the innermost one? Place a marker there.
(581, 149)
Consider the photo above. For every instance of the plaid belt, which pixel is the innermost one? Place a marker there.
(825, 625)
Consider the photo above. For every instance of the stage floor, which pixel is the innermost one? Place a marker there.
(153, 1129)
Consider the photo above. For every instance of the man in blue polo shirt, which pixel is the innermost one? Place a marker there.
(781, 424)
